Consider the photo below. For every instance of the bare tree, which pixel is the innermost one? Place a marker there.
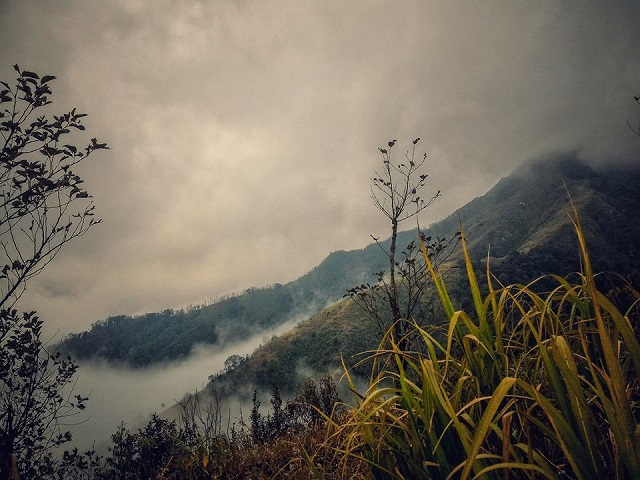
(201, 416)
(397, 190)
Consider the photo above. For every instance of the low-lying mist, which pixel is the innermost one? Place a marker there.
(120, 394)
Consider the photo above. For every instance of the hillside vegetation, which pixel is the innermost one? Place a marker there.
(520, 363)
(523, 222)
(528, 382)
(171, 334)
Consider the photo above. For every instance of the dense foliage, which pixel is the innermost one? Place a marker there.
(527, 382)
(35, 395)
(523, 223)
(541, 380)
(287, 442)
(316, 345)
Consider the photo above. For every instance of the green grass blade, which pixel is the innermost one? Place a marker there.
(483, 427)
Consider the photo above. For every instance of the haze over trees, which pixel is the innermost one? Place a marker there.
(523, 220)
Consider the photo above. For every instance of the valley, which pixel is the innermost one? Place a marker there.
(523, 222)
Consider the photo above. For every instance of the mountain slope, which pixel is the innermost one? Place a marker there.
(524, 221)
(169, 335)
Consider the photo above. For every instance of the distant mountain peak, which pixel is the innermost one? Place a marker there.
(561, 164)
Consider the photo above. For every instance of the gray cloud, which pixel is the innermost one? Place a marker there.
(244, 133)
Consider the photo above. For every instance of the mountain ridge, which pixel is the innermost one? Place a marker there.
(525, 215)
(521, 251)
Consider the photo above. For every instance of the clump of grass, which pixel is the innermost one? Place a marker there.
(307, 454)
(527, 385)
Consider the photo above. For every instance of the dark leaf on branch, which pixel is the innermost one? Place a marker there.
(30, 74)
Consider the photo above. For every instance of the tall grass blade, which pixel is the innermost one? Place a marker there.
(484, 426)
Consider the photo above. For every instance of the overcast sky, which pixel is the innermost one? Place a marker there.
(244, 133)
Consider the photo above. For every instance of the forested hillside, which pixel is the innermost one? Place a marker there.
(523, 222)
(169, 335)
(526, 226)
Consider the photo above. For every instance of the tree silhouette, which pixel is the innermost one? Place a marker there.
(42, 203)
(42, 207)
(397, 190)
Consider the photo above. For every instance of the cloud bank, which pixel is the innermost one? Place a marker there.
(244, 133)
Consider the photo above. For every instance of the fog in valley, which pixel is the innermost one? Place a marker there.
(120, 394)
